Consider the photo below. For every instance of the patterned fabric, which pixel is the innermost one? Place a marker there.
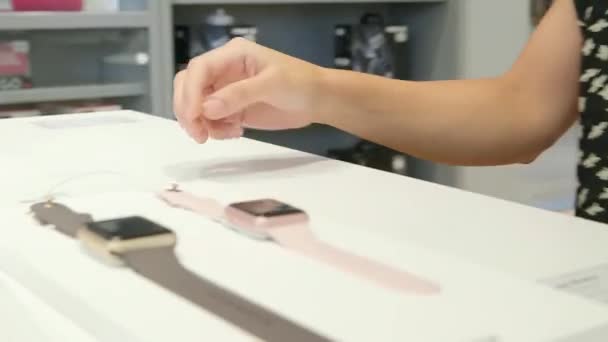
(592, 199)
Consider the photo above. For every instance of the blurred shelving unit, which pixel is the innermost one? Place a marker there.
(72, 20)
(70, 93)
(89, 56)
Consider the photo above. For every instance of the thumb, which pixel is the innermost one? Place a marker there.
(237, 96)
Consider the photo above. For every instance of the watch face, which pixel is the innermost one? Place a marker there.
(127, 228)
(267, 208)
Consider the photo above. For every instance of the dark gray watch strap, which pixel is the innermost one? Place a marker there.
(162, 267)
(65, 220)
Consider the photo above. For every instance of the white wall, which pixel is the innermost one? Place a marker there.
(495, 31)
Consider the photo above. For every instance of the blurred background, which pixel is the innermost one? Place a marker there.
(67, 56)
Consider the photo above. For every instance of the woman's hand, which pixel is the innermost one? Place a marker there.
(245, 85)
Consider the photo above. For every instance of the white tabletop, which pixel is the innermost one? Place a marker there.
(474, 304)
(432, 230)
(528, 242)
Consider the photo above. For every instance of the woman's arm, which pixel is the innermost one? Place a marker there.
(508, 119)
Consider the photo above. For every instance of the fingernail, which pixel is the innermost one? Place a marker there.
(200, 137)
(214, 108)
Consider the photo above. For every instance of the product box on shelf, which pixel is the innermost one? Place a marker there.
(15, 71)
(47, 5)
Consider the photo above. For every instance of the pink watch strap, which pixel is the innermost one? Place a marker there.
(300, 238)
(207, 207)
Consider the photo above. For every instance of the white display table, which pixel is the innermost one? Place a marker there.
(485, 253)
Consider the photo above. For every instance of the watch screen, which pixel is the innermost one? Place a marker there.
(127, 228)
(267, 208)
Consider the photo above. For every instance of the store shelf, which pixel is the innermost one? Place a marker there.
(280, 2)
(37, 95)
(72, 20)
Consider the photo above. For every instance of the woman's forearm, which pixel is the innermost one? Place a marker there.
(470, 122)
(508, 119)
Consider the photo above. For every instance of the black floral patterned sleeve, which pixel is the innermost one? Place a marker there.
(592, 199)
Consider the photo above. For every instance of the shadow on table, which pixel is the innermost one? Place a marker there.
(223, 169)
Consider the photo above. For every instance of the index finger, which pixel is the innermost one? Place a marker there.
(203, 72)
(196, 128)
